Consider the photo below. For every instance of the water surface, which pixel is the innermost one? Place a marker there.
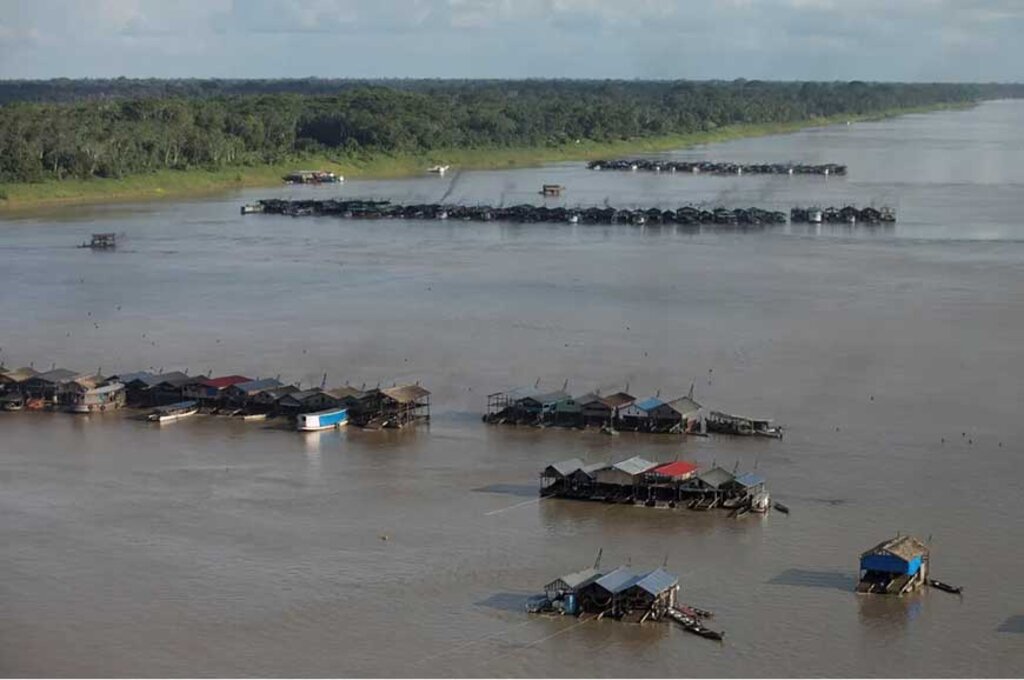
(894, 357)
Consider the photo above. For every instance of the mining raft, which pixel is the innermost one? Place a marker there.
(676, 485)
(101, 242)
(898, 566)
(624, 595)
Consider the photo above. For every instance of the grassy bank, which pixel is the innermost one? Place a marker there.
(184, 183)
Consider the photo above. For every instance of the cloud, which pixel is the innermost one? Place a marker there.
(776, 39)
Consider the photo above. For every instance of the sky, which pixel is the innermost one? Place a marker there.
(894, 40)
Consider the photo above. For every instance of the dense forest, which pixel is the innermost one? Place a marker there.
(123, 127)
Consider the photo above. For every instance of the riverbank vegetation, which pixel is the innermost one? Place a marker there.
(109, 144)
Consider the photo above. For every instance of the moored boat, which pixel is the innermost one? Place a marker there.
(12, 402)
(172, 412)
(328, 419)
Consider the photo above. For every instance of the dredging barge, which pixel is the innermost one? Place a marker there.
(527, 214)
(676, 485)
(717, 167)
(624, 595)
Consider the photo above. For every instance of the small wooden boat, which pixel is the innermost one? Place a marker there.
(172, 412)
(693, 625)
(610, 431)
(13, 402)
(942, 585)
(781, 508)
(252, 417)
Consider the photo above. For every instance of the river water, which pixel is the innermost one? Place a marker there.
(893, 356)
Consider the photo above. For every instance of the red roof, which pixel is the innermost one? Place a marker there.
(680, 468)
(226, 381)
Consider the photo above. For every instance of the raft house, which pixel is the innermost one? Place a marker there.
(618, 411)
(58, 389)
(638, 481)
(621, 594)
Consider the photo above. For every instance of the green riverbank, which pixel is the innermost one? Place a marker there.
(187, 183)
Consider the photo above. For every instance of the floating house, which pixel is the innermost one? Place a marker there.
(268, 400)
(620, 481)
(107, 397)
(894, 567)
(544, 404)
(347, 396)
(241, 393)
(212, 390)
(305, 401)
(554, 477)
(393, 407)
(170, 388)
(10, 379)
(601, 410)
(640, 414)
(48, 385)
(570, 584)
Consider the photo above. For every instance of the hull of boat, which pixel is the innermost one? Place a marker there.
(171, 417)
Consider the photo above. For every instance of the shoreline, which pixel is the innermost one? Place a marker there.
(178, 184)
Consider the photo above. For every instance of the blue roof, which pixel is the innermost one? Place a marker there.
(750, 479)
(618, 580)
(649, 404)
(658, 581)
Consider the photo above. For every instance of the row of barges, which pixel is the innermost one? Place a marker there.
(717, 167)
(527, 214)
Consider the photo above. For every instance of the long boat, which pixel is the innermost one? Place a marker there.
(322, 420)
(171, 412)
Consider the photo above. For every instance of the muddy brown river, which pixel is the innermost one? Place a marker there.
(894, 357)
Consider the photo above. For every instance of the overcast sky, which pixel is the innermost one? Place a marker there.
(765, 39)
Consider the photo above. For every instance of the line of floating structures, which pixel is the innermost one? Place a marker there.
(619, 411)
(638, 481)
(172, 396)
(685, 215)
(717, 167)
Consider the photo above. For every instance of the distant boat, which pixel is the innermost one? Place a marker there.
(322, 420)
(438, 169)
(172, 412)
(12, 402)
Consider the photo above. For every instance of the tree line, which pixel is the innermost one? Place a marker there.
(106, 134)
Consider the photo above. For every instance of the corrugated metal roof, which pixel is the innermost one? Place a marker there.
(143, 376)
(58, 375)
(107, 389)
(304, 394)
(88, 381)
(618, 580)
(174, 378)
(634, 466)
(903, 547)
(619, 399)
(657, 581)
(715, 477)
(578, 578)
(345, 392)
(685, 405)
(567, 467)
(591, 468)
(590, 397)
(404, 394)
(223, 381)
(649, 404)
(749, 479)
(20, 374)
(676, 469)
(258, 385)
(549, 397)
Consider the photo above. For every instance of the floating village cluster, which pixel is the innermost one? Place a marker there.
(623, 594)
(637, 481)
(619, 411)
(717, 167)
(171, 396)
